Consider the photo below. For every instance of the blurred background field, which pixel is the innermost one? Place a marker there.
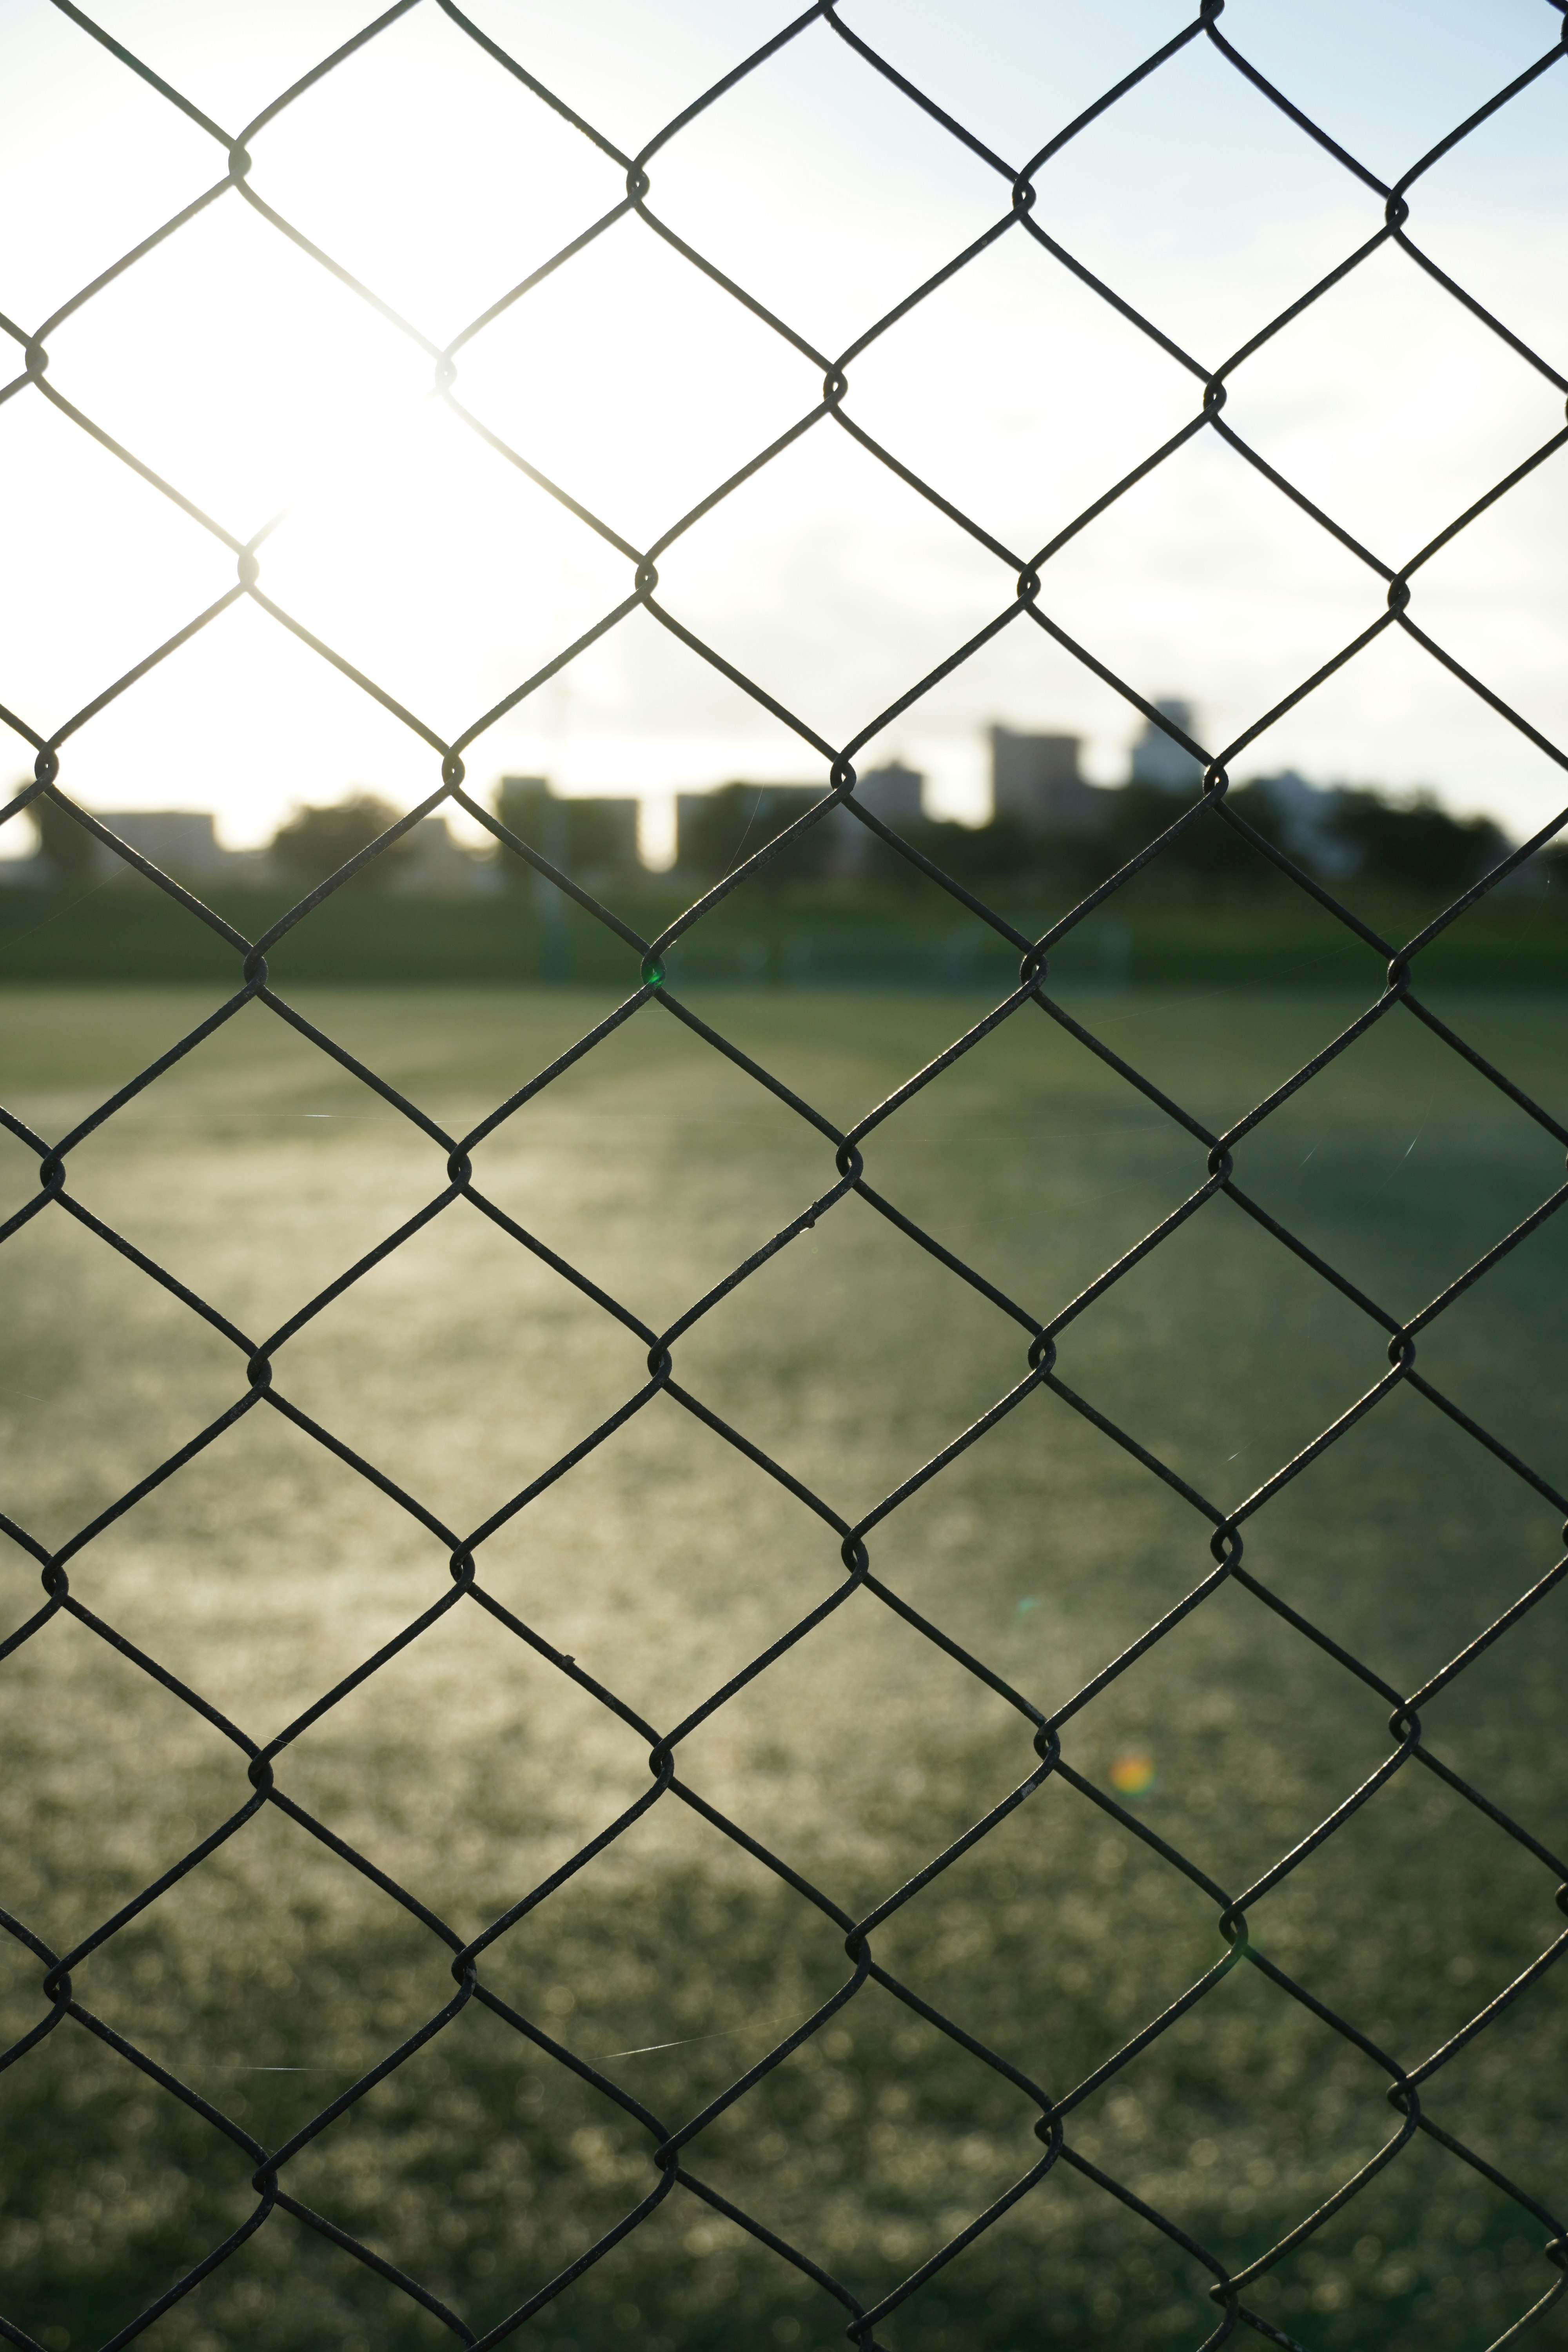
(796, 934)
(1348, 596)
(257, 1170)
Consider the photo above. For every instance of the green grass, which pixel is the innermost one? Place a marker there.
(1158, 929)
(468, 1768)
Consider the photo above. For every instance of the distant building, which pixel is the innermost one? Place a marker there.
(1035, 782)
(427, 862)
(717, 831)
(181, 843)
(527, 806)
(892, 793)
(584, 836)
(1159, 760)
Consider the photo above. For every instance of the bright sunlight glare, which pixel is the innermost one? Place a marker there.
(244, 373)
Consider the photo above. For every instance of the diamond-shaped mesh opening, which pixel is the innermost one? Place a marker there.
(713, 1674)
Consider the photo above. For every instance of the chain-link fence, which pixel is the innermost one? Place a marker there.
(672, 2143)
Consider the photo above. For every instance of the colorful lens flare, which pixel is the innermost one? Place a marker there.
(1133, 1772)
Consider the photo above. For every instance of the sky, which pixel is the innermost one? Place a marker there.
(257, 384)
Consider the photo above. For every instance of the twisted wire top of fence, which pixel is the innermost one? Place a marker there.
(1024, 602)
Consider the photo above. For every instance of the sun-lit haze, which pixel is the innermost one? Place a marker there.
(256, 382)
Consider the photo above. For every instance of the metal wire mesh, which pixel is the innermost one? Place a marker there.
(1022, 603)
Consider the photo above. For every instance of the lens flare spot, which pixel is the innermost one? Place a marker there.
(1133, 1772)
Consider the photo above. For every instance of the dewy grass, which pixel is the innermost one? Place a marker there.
(468, 1768)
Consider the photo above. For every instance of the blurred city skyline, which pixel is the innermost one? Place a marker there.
(251, 379)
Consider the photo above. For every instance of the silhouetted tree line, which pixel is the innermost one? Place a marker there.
(310, 844)
(315, 841)
(1344, 836)
(1421, 842)
(1353, 835)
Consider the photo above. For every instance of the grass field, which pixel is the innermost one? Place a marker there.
(1157, 930)
(468, 1768)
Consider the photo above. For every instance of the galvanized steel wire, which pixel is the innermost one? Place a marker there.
(1414, 2091)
